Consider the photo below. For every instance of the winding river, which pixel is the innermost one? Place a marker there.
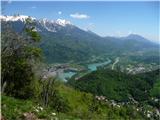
(91, 67)
(94, 66)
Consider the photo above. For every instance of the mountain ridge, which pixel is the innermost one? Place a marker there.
(63, 22)
(64, 42)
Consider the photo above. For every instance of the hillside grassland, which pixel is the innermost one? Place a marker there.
(81, 106)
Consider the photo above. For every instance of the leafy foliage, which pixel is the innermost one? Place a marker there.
(81, 106)
(117, 85)
(49, 96)
(19, 52)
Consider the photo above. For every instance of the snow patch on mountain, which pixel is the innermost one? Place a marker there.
(62, 22)
(49, 25)
(15, 18)
(22, 18)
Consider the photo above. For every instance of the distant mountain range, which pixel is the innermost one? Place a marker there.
(64, 42)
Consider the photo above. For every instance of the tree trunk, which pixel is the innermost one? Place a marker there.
(4, 86)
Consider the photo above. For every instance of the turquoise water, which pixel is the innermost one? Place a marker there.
(91, 67)
(66, 75)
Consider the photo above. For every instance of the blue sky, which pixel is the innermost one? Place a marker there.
(103, 18)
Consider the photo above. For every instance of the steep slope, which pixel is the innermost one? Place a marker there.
(81, 106)
(117, 85)
(71, 43)
(61, 41)
(64, 42)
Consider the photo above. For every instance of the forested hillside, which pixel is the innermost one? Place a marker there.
(118, 85)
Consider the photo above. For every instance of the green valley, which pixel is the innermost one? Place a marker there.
(80, 60)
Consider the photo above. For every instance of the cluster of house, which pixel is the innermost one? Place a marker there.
(152, 114)
(148, 113)
(115, 103)
(136, 69)
(140, 68)
(104, 99)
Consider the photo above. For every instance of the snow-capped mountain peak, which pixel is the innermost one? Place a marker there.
(15, 18)
(62, 22)
(22, 18)
(41, 24)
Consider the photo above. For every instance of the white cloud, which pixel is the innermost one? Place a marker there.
(79, 16)
(59, 12)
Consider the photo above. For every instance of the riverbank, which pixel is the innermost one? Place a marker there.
(66, 71)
